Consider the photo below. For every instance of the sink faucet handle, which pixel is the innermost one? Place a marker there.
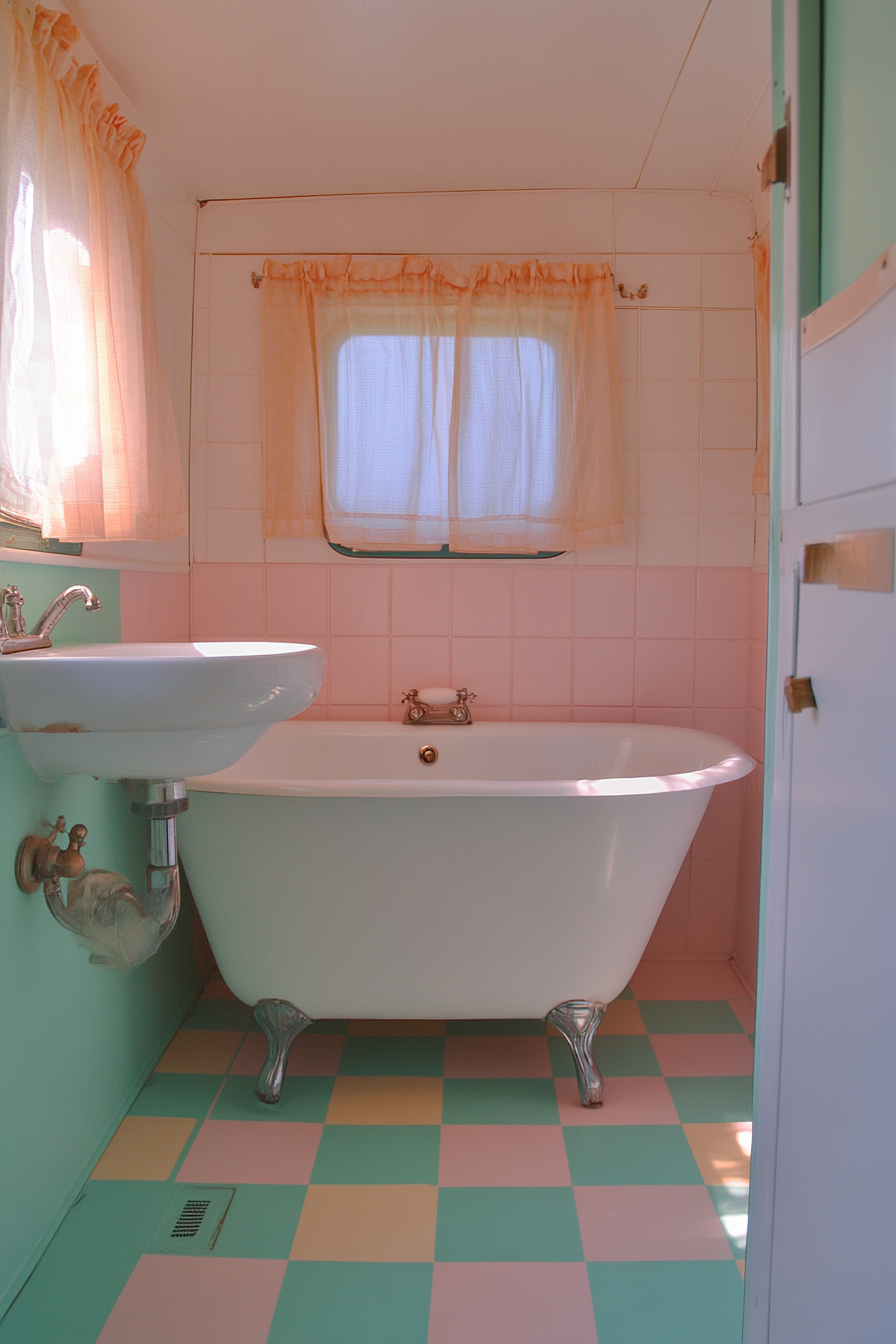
(13, 602)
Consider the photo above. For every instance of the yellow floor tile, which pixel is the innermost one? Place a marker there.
(386, 1101)
(722, 1151)
(367, 1222)
(200, 1052)
(382, 1027)
(622, 1018)
(742, 1266)
(144, 1148)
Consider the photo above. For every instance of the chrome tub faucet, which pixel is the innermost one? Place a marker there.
(14, 636)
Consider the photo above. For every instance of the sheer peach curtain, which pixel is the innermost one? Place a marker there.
(407, 404)
(759, 250)
(89, 447)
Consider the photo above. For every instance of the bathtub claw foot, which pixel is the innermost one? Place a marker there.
(577, 1021)
(281, 1022)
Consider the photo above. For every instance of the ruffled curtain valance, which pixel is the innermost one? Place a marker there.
(407, 404)
(88, 445)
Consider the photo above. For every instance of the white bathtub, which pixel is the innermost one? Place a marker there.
(525, 868)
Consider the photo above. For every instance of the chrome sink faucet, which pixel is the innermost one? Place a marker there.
(14, 636)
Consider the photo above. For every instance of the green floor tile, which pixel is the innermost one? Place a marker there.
(667, 1302)
(220, 1015)
(732, 1203)
(680, 1016)
(498, 1026)
(177, 1094)
(507, 1224)
(616, 1057)
(626, 993)
(87, 1264)
(301, 1099)
(328, 1026)
(261, 1222)
(705, 1101)
(630, 1155)
(499, 1101)
(334, 1303)
(378, 1155)
(393, 1056)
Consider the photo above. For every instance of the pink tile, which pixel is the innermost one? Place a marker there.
(228, 601)
(686, 980)
(756, 733)
(541, 713)
(712, 914)
(310, 1056)
(672, 718)
(758, 655)
(604, 671)
(196, 1300)
(542, 671)
(482, 599)
(364, 713)
(252, 1152)
(418, 663)
(718, 836)
(525, 1303)
(155, 608)
(666, 603)
(722, 672)
(703, 1056)
(730, 723)
(483, 666)
(723, 603)
(492, 713)
(421, 599)
(359, 599)
(627, 1101)
(602, 714)
(503, 1155)
(297, 601)
(605, 603)
(664, 672)
(759, 607)
(670, 933)
(359, 671)
(542, 600)
(497, 1057)
(650, 1222)
(745, 1012)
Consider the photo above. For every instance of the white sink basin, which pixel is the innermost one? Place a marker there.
(152, 711)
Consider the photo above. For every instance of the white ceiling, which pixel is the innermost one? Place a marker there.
(296, 97)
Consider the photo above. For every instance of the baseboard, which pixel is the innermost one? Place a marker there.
(152, 1058)
(743, 977)
(700, 956)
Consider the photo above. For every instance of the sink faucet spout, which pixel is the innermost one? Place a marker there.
(78, 592)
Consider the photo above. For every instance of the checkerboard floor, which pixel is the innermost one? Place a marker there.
(425, 1183)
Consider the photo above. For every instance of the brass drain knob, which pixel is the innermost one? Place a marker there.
(428, 754)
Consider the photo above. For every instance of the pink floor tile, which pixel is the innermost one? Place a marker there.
(310, 1056)
(196, 1300)
(511, 1304)
(745, 1012)
(497, 1057)
(627, 1101)
(686, 980)
(503, 1155)
(252, 1152)
(698, 1056)
(650, 1222)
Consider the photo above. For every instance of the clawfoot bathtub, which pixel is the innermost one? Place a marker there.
(339, 873)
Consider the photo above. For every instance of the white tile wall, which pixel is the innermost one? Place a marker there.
(688, 367)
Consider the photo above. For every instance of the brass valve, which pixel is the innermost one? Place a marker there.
(40, 858)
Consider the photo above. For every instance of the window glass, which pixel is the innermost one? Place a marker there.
(394, 392)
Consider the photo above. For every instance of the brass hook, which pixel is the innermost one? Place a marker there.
(640, 293)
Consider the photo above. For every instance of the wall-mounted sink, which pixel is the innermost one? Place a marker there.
(152, 711)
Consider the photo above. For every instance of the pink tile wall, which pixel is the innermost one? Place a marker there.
(155, 608)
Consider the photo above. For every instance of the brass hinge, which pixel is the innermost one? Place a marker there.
(775, 166)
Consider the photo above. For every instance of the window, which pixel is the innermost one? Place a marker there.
(409, 407)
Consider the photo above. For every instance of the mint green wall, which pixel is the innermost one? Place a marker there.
(858, 191)
(76, 1041)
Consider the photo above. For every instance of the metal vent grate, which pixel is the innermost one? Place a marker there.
(192, 1220)
(191, 1216)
